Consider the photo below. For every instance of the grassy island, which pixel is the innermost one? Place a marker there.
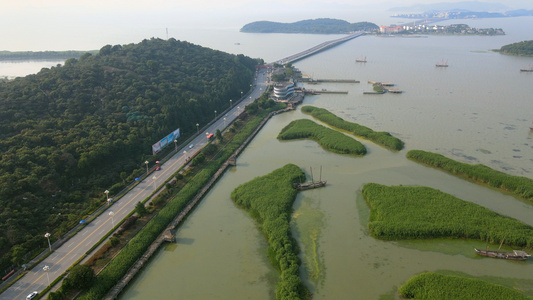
(269, 201)
(384, 139)
(328, 138)
(520, 186)
(405, 212)
(437, 286)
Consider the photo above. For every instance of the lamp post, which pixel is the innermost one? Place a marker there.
(230, 103)
(241, 94)
(154, 178)
(146, 163)
(112, 214)
(197, 128)
(224, 122)
(215, 115)
(47, 236)
(46, 268)
(176, 145)
(106, 192)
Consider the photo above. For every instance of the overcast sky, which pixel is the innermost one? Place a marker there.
(37, 24)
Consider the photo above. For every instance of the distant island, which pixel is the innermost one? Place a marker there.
(464, 14)
(524, 48)
(40, 55)
(316, 26)
(456, 29)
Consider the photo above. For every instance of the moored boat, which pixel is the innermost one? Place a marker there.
(361, 59)
(515, 255)
(442, 64)
(528, 69)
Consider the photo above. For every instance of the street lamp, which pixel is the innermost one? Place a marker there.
(176, 145)
(112, 214)
(197, 128)
(146, 163)
(230, 103)
(46, 268)
(106, 192)
(47, 236)
(215, 115)
(224, 122)
(241, 94)
(154, 178)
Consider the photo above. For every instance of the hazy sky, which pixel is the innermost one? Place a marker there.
(60, 24)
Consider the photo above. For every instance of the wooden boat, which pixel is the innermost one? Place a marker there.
(442, 64)
(361, 59)
(515, 255)
(310, 185)
(528, 69)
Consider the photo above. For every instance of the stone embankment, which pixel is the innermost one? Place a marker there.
(164, 236)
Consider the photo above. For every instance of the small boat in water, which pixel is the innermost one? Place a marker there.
(442, 64)
(361, 59)
(515, 255)
(528, 69)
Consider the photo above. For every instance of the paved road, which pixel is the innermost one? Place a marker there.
(66, 255)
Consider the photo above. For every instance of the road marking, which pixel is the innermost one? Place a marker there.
(200, 142)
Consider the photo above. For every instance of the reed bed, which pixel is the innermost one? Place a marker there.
(329, 139)
(381, 138)
(406, 212)
(519, 186)
(269, 201)
(431, 285)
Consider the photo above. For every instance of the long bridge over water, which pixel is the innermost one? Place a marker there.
(72, 248)
(319, 48)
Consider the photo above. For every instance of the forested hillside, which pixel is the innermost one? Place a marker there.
(520, 48)
(70, 132)
(316, 26)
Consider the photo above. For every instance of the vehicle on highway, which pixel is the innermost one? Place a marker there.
(191, 145)
(32, 295)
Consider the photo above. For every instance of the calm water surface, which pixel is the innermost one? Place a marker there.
(478, 110)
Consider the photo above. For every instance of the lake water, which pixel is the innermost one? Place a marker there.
(478, 110)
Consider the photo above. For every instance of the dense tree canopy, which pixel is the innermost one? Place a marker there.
(317, 26)
(71, 131)
(520, 48)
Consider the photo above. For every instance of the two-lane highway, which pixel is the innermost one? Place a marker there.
(38, 278)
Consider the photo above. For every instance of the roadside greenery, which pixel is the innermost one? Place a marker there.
(329, 139)
(406, 212)
(269, 201)
(382, 138)
(519, 186)
(432, 285)
(521, 48)
(69, 131)
(137, 246)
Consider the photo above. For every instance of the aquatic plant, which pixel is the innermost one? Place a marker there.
(519, 186)
(382, 138)
(328, 138)
(407, 212)
(432, 285)
(269, 201)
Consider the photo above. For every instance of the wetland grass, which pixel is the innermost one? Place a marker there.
(406, 212)
(382, 138)
(329, 139)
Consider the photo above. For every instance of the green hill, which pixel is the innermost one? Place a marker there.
(316, 26)
(521, 48)
(70, 132)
